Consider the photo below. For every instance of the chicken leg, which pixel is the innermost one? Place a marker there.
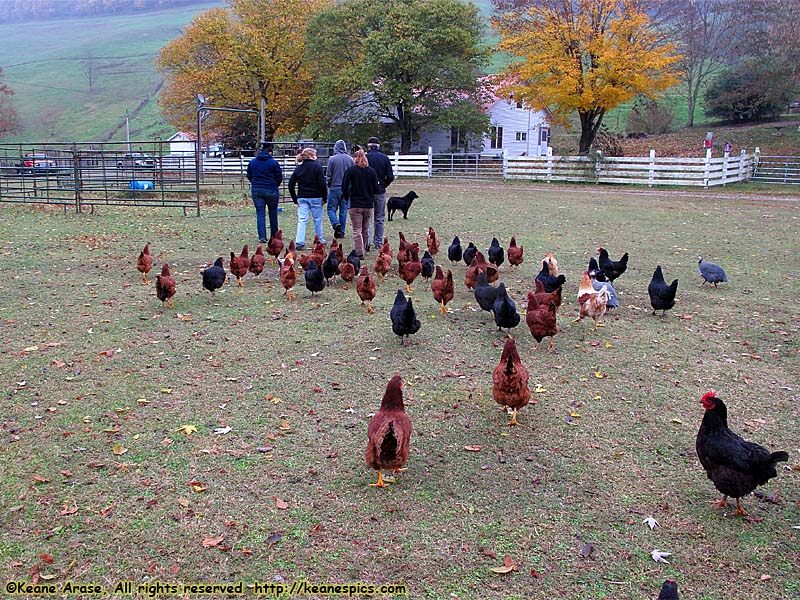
(144, 279)
(740, 511)
(369, 307)
(443, 310)
(409, 289)
(550, 347)
(380, 480)
(171, 305)
(720, 503)
(513, 419)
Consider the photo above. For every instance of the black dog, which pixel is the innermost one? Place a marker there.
(401, 203)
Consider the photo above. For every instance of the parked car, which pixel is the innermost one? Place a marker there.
(37, 163)
(136, 160)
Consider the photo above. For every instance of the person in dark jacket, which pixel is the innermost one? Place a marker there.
(265, 175)
(359, 187)
(309, 191)
(383, 168)
(337, 205)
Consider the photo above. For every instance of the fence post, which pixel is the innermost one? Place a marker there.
(725, 158)
(651, 173)
(396, 165)
(430, 161)
(756, 161)
(549, 164)
(707, 172)
(505, 163)
(742, 158)
(76, 175)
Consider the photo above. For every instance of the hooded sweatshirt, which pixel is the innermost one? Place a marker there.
(264, 173)
(338, 164)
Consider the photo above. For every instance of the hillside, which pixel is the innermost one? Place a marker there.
(49, 64)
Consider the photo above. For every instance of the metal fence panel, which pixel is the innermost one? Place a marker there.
(783, 170)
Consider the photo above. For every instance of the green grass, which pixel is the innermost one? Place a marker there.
(537, 492)
(45, 63)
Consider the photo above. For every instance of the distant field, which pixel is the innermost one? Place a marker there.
(47, 65)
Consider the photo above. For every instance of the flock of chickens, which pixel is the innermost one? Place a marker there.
(734, 465)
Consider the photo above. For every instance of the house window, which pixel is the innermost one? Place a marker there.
(519, 104)
(496, 138)
(521, 136)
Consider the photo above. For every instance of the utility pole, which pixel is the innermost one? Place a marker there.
(127, 131)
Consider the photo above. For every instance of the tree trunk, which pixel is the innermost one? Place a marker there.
(590, 124)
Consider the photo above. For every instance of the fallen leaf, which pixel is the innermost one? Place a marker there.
(509, 562)
(198, 486)
(599, 374)
(31, 349)
(69, 510)
(222, 430)
(183, 502)
(502, 570)
(119, 450)
(765, 577)
(472, 448)
(174, 569)
(40, 479)
(281, 504)
(47, 558)
(187, 429)
(285, 425)
(660, 556)
(166, 390)
(210, 542)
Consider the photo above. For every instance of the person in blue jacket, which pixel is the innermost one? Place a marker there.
(265, 175)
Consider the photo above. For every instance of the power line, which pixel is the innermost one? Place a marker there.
(63, 89)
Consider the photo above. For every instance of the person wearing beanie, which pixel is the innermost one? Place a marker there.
(337, 205)
(265, 175)
(382, 166)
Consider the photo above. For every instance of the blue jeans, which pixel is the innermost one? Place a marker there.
(337, 208)
(379, 212)
(263, 200)
(304, 207)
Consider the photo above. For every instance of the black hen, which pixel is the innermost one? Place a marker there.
(485, 294)
(428, 265)
(469, 253)
(496, 253)
(214, 277)
(612, 268)
(315, 280)
(330, 266)
(353, 259)
(504, 309)
(550, 283)
(669, 591)
(734, 465)
(404, 319)
(454, 251)
(595, 268)
(662, 296)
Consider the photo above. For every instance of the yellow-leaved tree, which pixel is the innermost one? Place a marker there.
(236, 56)
(584, 56)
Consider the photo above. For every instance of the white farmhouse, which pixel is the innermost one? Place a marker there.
(515, 128)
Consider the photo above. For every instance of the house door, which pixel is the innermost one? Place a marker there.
(544, 140)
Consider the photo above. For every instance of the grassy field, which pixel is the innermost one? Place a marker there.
(101, 481)
(47, 62)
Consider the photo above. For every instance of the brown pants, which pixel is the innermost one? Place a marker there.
(360, 218)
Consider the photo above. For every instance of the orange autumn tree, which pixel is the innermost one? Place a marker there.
(584, 56)
(235, 57)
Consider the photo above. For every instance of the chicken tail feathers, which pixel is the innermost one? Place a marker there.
(389, 446)
(776, 457)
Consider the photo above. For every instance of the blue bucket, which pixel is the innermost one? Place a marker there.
(141, 185)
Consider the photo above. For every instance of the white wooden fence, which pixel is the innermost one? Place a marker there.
(651, 171)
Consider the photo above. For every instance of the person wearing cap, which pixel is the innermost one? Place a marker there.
(265, 175)
(309, 191)
(383, 167)
(337, 204)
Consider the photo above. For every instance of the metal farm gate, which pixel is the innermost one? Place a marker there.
(777, 169)
(467, 166)
(89, 175)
